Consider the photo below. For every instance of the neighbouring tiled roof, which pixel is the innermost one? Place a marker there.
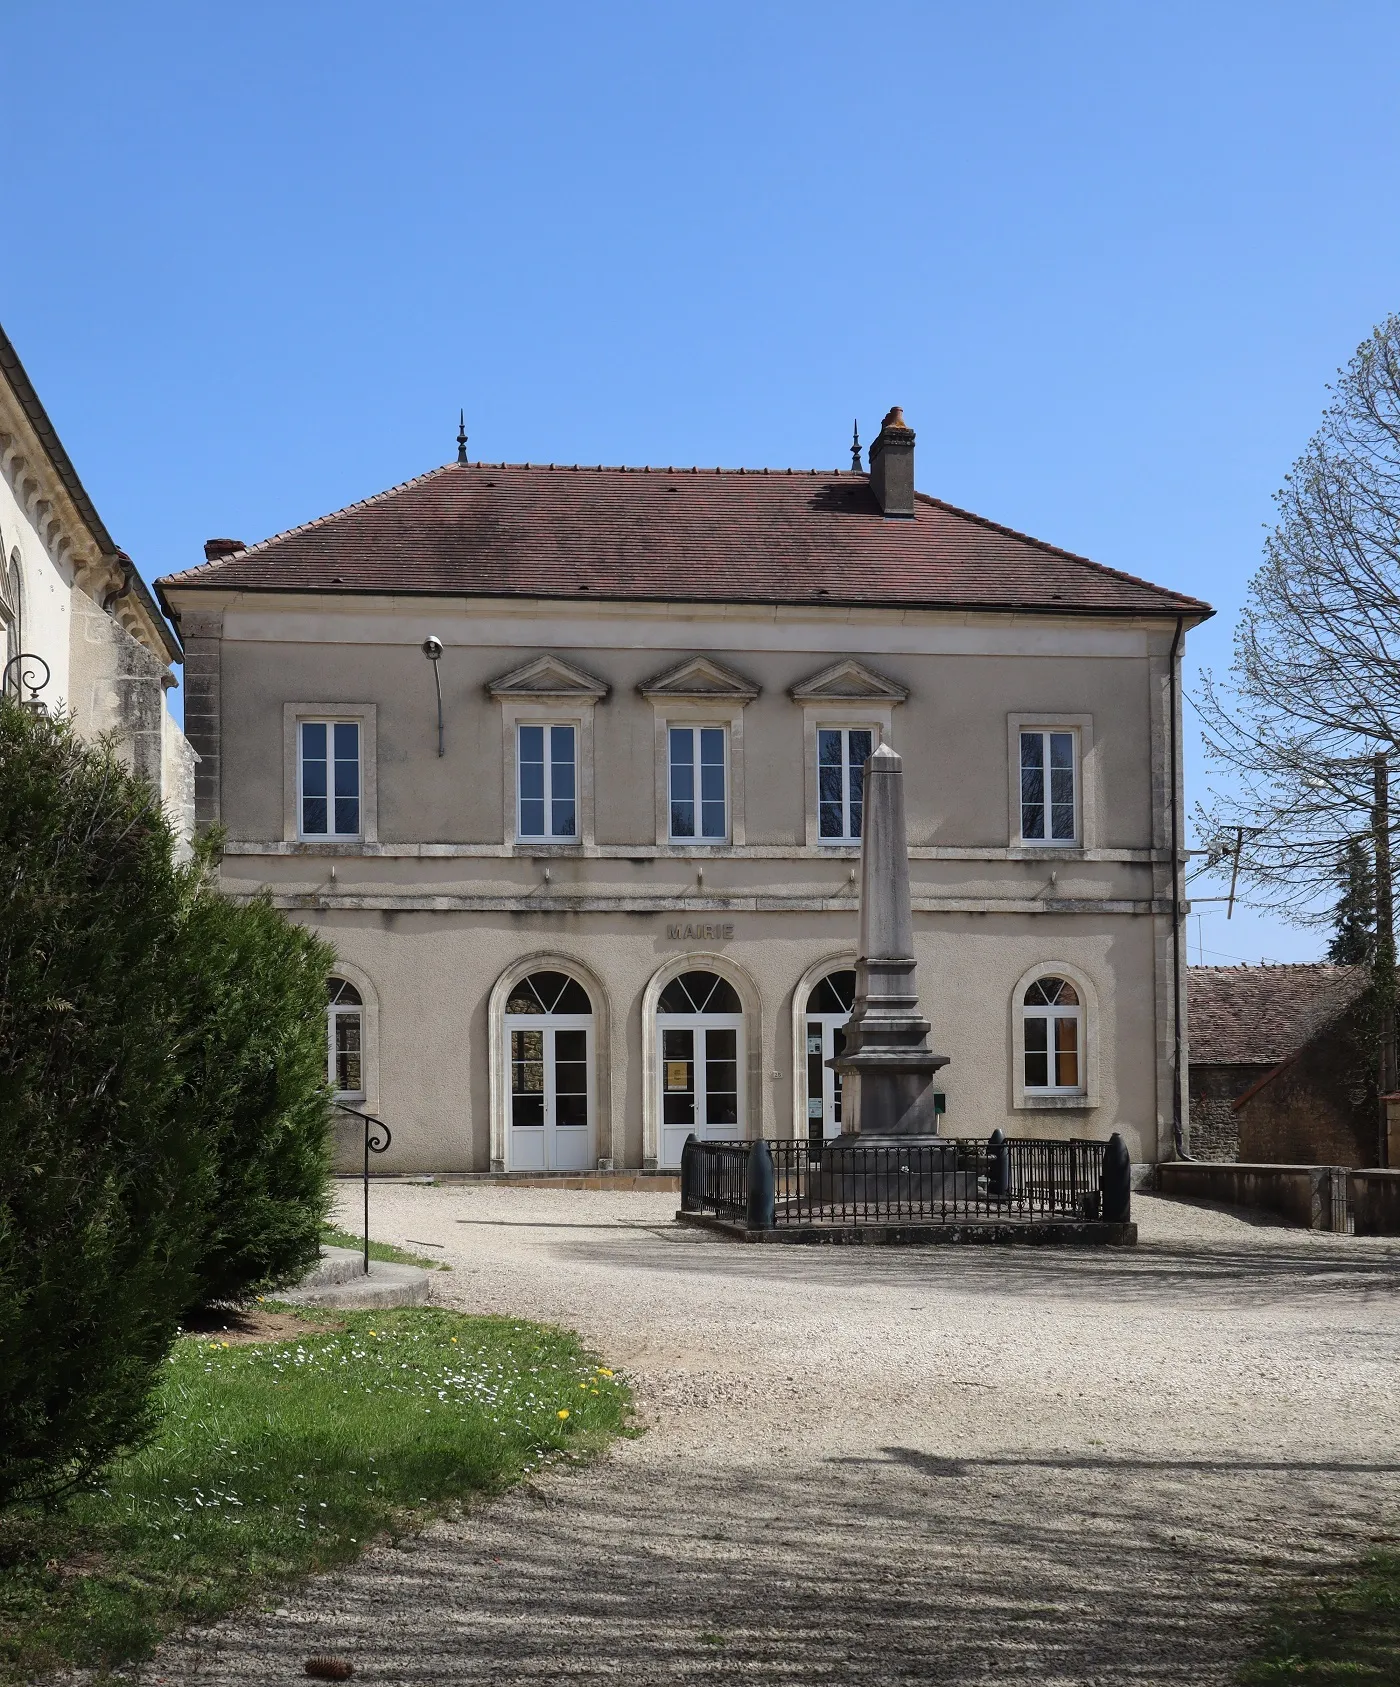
(1257, 1016)
(736, 536)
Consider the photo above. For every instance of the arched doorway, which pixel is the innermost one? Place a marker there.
(549, 1057)
(828, 1008)
(700, 1065)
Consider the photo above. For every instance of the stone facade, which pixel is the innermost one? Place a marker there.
(634, 609)
(76, 602)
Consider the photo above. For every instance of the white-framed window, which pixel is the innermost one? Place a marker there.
(345, 1040)
(698, 783)
(842, 752)
(11, 616)
(1053, 1045)
(328, 778)
(1049, 786)
(546, 773)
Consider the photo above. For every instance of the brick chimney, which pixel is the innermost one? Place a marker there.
(892, 465)
(215, 548)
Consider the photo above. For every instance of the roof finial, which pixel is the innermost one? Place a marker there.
(855, 446)
(462, 436)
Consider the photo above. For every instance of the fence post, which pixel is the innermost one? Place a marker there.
(999, 1167)
(762, 1187)
(692, 1176)
(1117, 1181)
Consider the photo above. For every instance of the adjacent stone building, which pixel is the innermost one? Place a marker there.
(1281, 1068)
(567, 764)
(74, 606)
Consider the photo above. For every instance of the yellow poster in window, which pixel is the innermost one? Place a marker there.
(677, 1074)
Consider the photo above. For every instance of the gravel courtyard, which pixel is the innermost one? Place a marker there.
(955, 1465)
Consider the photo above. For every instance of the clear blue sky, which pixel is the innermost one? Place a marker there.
(1106, 256)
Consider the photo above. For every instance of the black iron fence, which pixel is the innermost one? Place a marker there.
(960, 1180)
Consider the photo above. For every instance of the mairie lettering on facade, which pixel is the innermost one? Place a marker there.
(566, 763)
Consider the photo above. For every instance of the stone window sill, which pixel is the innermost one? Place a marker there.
(1055, 1104)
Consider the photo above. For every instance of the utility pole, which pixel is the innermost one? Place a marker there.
(1384, 972)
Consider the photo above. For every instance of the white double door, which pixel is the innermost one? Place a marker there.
(551, 1091)
(825, 1040)
(700, 1068)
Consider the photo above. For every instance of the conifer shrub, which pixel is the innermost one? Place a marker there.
(164, 1112)
(103, 1185)
(256, 1082)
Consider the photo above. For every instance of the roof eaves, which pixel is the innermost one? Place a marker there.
(1188, 605)
(30, 402)
(201, 570)
(195, 579)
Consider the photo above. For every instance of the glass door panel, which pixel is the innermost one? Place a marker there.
(701, 1079)
(551, 1101)
(721, 1077)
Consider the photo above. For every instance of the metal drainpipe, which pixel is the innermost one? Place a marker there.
(1178, 1142)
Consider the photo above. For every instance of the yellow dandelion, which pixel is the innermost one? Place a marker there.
(562, 1413)
(603, 1371)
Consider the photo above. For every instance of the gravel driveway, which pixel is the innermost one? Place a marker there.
(949, 1464)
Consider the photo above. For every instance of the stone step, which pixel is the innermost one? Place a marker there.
(338, 1279)
(655, 1182)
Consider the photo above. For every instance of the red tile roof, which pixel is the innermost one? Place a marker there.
(698, 535)
(1257, 1016)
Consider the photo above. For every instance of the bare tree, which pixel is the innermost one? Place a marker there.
(1309, 719)
(1314, 690)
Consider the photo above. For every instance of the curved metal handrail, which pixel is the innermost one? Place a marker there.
(373, 1145)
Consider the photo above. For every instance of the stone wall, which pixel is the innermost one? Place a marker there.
(1214, 1128)
(1299, 1193)
(1318, 1109)
(116, 691)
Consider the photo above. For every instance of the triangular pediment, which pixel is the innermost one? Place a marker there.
(700, 677)
(848, 681)
(548, 677)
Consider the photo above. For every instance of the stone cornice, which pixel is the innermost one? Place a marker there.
(47, 489)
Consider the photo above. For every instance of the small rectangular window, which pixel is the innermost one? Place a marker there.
(330, 779)
(547, 777)
(842, 753)
(1049, 793)
(698, 777)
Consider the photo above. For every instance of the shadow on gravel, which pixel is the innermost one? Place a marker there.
(904, 1567)
(1151, 1273)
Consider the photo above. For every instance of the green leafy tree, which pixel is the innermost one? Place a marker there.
(103, 1186)
(1354, 917)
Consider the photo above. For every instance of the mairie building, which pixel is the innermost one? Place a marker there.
(566, 763)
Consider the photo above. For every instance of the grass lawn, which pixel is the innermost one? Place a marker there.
(279, 1460)
(332, 1238)
(1343, 1628)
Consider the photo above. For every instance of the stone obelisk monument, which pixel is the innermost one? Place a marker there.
(886, 1066)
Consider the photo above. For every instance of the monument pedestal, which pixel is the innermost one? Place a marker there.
(890, 1150)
